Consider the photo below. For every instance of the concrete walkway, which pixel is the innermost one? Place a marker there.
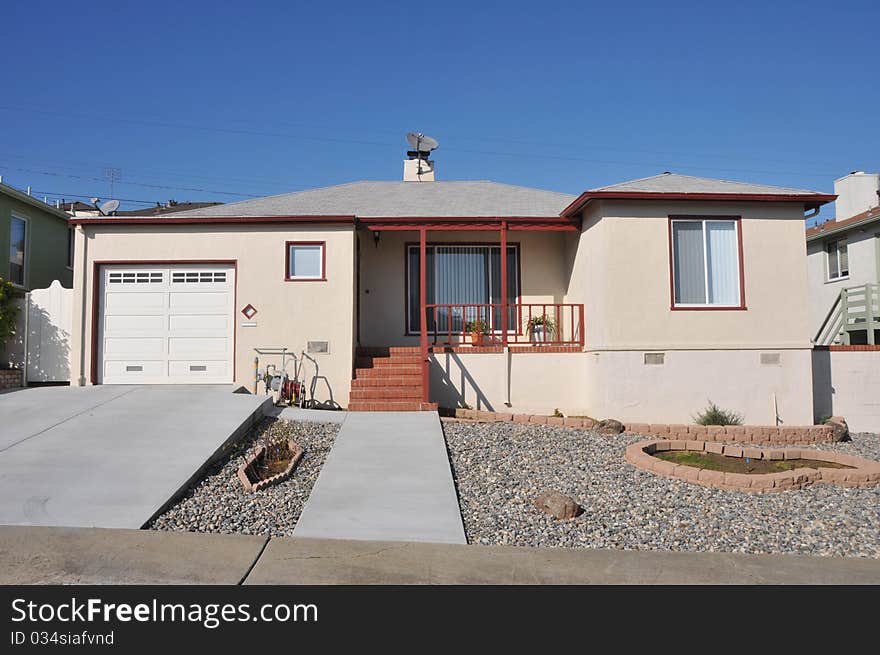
(110, 456)
(388, 478)
(39, 555)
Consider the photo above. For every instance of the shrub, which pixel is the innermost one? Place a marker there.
(557, 413)
(8, 310)
(714, 415)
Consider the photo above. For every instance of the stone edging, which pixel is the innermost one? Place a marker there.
(866, 473)
(278, 477)
(737, 433)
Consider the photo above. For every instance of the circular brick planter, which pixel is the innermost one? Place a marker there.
(865, 472)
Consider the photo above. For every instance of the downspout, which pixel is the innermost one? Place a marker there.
(84, 307)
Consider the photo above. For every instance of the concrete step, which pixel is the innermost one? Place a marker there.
(387, 381)
(394, 360)
(388, 371)
(391, 406)
(391, 393)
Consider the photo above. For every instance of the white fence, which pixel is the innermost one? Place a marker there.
(41, 345)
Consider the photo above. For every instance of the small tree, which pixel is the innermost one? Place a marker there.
(8, 310)
(714, 415)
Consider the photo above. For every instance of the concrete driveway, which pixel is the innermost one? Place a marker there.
(110, 456)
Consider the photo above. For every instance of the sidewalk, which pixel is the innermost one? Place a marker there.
(386, 478)
(42, 555)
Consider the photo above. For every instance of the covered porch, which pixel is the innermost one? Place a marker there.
(430, 286)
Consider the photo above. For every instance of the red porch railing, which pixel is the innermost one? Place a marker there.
(537, 324)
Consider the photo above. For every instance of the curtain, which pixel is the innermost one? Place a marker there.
(723, 264)
(461, 275)
(688, 262)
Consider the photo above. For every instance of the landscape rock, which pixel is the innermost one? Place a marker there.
(839, 428)
(609, 426)
(558, 505)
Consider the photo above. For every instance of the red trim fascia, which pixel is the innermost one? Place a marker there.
(323, 245)
(742, 277)
(96, 266)
(207, 220)
(566, 226)
(426, 220)
(814, 199)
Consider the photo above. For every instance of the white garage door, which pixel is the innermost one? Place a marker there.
(166, 324)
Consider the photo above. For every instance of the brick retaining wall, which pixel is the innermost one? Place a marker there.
(10, 378)
(737, 433)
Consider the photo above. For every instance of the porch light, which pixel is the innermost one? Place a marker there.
(376, 235)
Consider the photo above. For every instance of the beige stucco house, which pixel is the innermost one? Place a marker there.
(641, 300)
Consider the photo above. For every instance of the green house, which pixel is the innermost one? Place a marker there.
(36, 242)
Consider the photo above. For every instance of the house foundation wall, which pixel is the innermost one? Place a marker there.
(758, 384)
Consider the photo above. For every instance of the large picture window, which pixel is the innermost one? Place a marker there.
(706, 267)
(17, 250)
(462, 275)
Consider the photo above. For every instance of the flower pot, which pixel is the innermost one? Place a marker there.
(539, 334)
(477, 338)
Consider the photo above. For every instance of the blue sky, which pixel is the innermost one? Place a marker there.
(223, 101)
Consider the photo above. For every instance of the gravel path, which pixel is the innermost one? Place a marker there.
(218, 503)
(500, 468)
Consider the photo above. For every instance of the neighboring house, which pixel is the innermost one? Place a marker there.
(661, 294)
(77, 208)
(843, 256)
(36, 244)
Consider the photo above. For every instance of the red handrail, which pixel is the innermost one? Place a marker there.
(452, 324)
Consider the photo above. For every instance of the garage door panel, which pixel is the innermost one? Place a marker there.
(133, 371)
(134, 303)
(198, 322)
(198, 346)
(166, 324)
(199, 301)
(134, 324)
(198, 368)
(134, 346)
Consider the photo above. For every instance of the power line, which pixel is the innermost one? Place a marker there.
(142, 184)
(227, 130)
(56, 194)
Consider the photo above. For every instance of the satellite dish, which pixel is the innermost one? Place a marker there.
(421, 142)
(109, 207)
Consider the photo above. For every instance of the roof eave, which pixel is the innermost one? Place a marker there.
(34, 202)
(811, 201)
(843, 228)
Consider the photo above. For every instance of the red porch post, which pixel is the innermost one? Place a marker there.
(423, 319)
(504, 284)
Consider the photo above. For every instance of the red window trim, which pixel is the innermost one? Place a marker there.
(408, 244)
(742, 278)
(96, 292)
(287, 245)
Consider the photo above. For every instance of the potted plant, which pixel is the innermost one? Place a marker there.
(477, 329)
(541, 328)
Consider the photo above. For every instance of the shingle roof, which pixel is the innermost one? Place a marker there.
(834, 226)
(675, 183)
(161, 210)
(401, 199)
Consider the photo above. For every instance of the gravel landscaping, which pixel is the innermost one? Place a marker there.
(219, 503)
(500, 468)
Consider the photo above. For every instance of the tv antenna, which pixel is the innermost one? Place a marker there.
(112, 174)
(422, 145)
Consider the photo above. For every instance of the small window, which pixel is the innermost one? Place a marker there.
(705, 263)
(305, 261)
(17, 250)
(838, 259)
(194, 277)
